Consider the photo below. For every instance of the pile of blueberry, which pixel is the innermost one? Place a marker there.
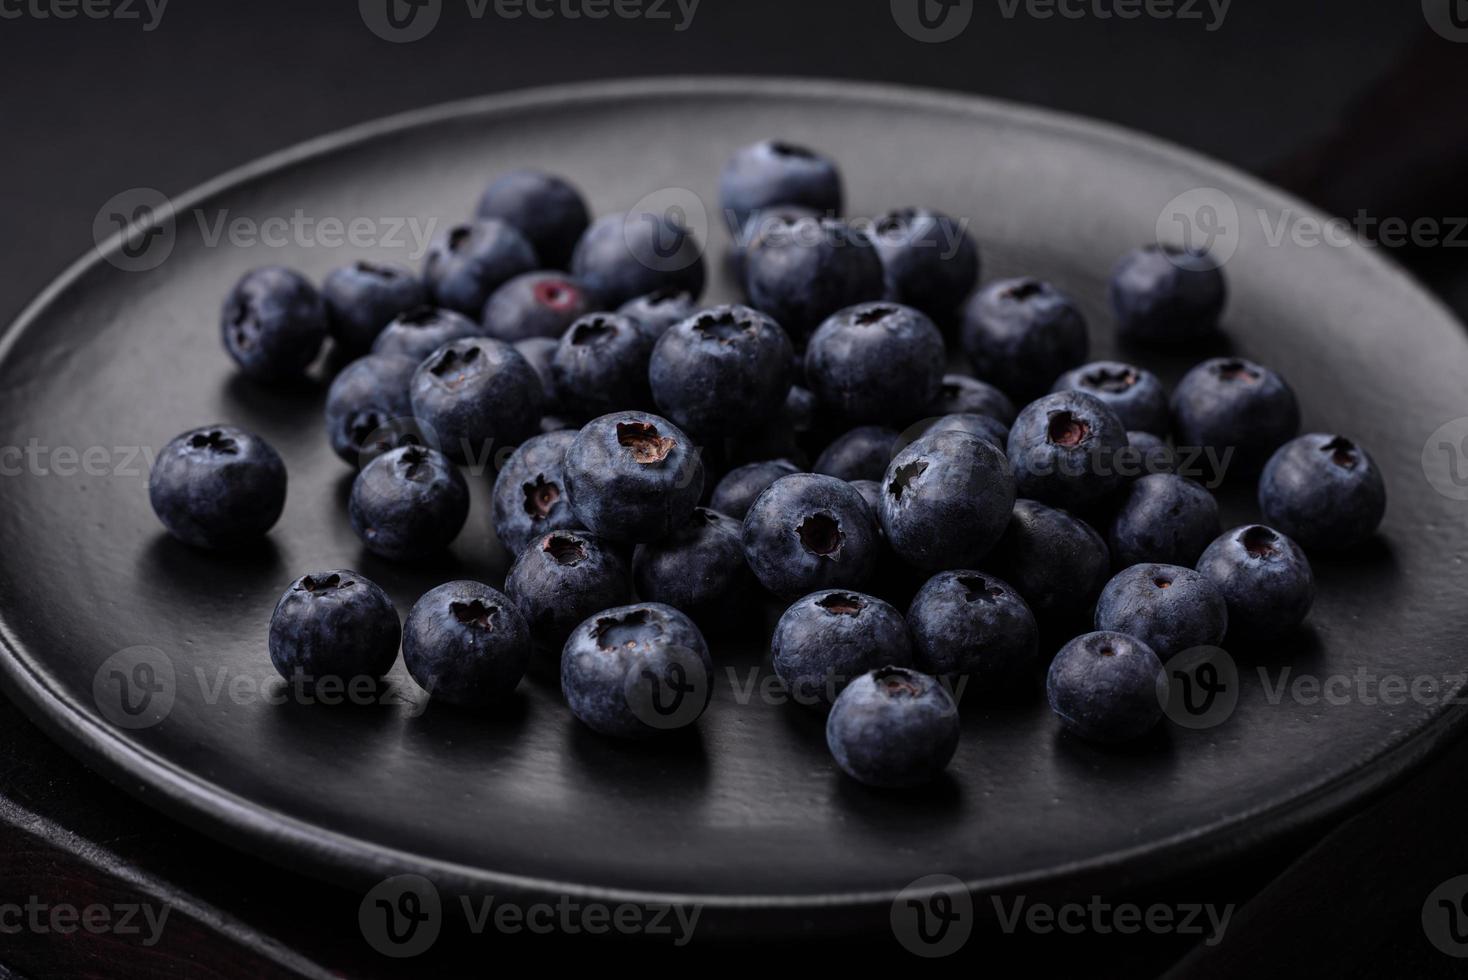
(676, 465)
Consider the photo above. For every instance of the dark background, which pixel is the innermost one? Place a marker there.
(1349, 105)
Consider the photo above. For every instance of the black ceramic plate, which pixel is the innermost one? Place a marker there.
(749, 816)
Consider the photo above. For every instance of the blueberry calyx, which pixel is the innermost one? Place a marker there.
(895, 682)
(905, 477)
(321, 587)
(1260, 542)
(1342, 452)
(821, 535)
(643, 439)
(557, 294)
(723, 327)
(540, 497)
(453, 360)
(976, 588)
(1067, 430)
(419, 316)
(783, 149)
(626, 630)
(592, 331)
(215, 441)
(475, 613)
(565, 549)
(410, 463)
(1111, 381)
(873, 316)
(842, 604)
(1237, 371)
(1024, 289)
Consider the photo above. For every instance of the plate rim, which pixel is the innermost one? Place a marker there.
(257, 828)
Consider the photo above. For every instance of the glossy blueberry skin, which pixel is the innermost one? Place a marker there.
(699, 569)
(724, 371)
(624, 256)
(829, 638)
(363, 399)
(273, 324)
(893, 728)
(1265, 578)
(875, 362)
(217, 487)
(809, 532)
(468, 262)
(986, 427)
(860, 454)
(773, 172)
(947, 502)
(547, 210)
(477, 396)
(741, 486)
(334, 624)
(600, 366)
(538, 353)
(1104, 687)
(530, 496)
(364, 297)
(421, 331)
(1230, 402)
(1064, 447)
(1168, 607)
(561, 578)
(1167, 297)
(535, 304)
(658, 311)
(1163, 518)
(1150, 453)
(1056, 561)
(1135, 395)
(960, 394)
(466, 644)
(408, 503)
(1021, 334)
(804, 271)
(929, 260)
(1324, 491)
(969, 624)
(633, 476)
(620, 649)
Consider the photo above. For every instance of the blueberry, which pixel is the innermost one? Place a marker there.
(948, 499)
(1167, 296)
(829, 638)
(1150, 453)
(475, 395)
(699, 569)
(1104, 687)
(466, 644)
(893, 728)
(928, 259)
(961, 395)
(809, 532)
(422, 331)
(774, 172)
(633, 476)
(539, 352)
(740, 487)
(986, 427)
(333, 624)
(1230, 403)
(1064, 449)
(804, 271)
(409, 503)
(561, 578)
(273, 323)
(637, 670)
(1021, 334)
(365, 401)
(1135, 395)
(1167, 607)
(1324, 491)
(530, 492)
(600, 366)
(623, 256)
(861, 454)
(1265, 578)
(217, 487)
(744, 235)
(875, 362)
(1163, 518)
(782, 437)
(364, 297)
(658, 311)
(468, 262)
(547, 210)
(871, 492)
(1056, 561)
(535, 304)
(724, 371)
(970, 624)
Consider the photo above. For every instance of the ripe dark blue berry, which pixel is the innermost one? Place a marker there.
(408, 503)
(1021, 334)
(1056, 561)
(421, 331)
(774, 172)
(809, 532)
(804, 271)
(367, 403)
(740, 487)
(1228, 403)
(699, 569)
(861, 454)
(561, 578)
(468, 262)
(535, 304)
(893, 728)
(547, 210)
(1163, 518)
(217, 487)
(658, 311)
(539, 352)
(1166, 296)
(1265, 578)
(723, 371)
(746, 234)
(600, 366)
(948, 499)
(1064, 449)
(476, 396)
(960, 394)
(333, 625)
(986, 427)
(364, 297)
(273, 324)
(1104, 687)
(827, 639)
(1135, 395)
(1149, 453)
(969, 624)
(928, 258)
(530, 496)
(1167, 607)
(466, 644)
(633, 476)
(623, 256)
(875, 362)
(1324, 491)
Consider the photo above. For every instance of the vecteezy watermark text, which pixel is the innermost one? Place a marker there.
(405, 21)
(149, 13)
(40, 917)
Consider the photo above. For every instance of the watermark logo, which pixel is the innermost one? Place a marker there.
(39, 917)
(405, 21)
(402, 916)
(663, 230)
(1445, 459)
(1201, 220)
(1199, 688)
(1102, 918)
(669, 695)
(933, 21)
(400, 21)
(1445, 917)
(144, 218)
(135, 688)
(1449, 18)
(933, 917)
(1211, 13)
